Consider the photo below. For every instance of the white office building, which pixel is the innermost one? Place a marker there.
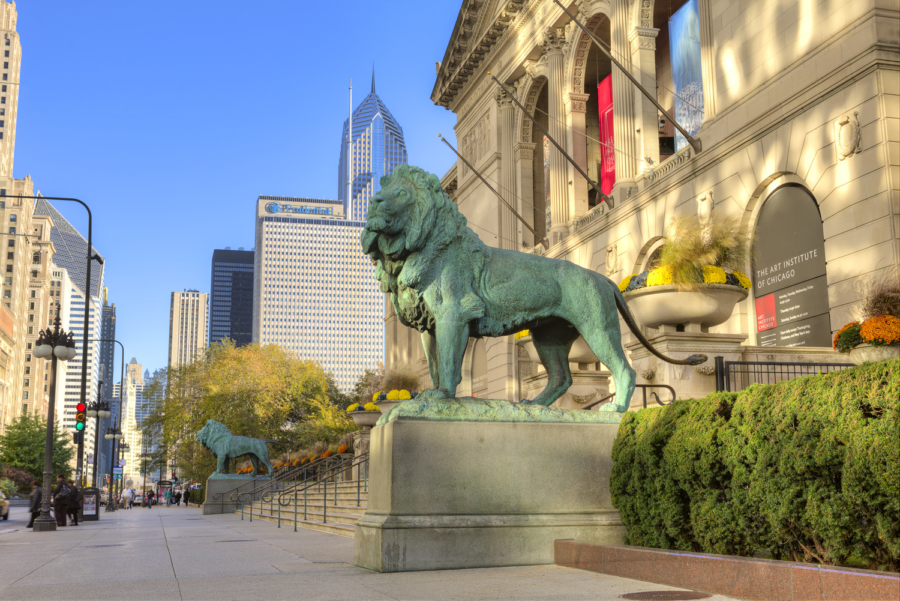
(314, 291)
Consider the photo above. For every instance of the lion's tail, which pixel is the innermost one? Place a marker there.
(632, 325)
(276, 442)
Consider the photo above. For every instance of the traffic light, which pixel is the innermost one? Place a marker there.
(80, 416)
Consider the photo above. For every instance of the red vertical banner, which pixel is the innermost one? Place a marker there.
(607, 148)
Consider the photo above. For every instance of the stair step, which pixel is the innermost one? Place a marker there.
(341, 529)
(311, 515)
(316, 507)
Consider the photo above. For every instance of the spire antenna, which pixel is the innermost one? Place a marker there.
(373, 77)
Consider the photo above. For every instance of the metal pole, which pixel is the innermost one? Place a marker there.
(295, 509)
(113, 454)
(44, 522)
(97, 436)
(543, 241)
(695, 144)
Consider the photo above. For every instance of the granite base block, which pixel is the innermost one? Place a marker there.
(446, 495)
(219, 490)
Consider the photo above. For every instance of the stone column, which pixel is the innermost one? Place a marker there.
(525, 187)
(508, 223)
(623, 102)
(577, 110)
(554, 39)
(643, 56)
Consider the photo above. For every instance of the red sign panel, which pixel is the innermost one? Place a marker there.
(607, 141)
(765, 313)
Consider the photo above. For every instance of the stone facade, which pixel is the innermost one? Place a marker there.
(794, 94)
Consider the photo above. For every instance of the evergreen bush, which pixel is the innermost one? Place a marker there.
(806, 470)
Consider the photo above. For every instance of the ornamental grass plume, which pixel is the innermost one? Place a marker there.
(401, 377)
(685, 253)
(882, 296)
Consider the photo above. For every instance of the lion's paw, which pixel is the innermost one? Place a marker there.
(611, 407)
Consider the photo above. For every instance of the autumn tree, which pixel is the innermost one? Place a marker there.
(258, 391)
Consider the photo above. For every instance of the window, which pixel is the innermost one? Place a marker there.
(10, 256)
(12, 218)
(12, 230)
(6, 63)
(30, 331)
(6, 53)
(9, 269)
(36, 258)
(25, 394)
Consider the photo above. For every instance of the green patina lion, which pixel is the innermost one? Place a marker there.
(446, 283)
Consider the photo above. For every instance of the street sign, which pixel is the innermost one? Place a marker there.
(90, 458)
(122, 462)
(117, 471)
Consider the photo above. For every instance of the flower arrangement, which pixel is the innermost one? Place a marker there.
(327, 454)
(343, 449)
(304, 461)
(880, 330)
(692, 256)
(313, 458)
(366, 407)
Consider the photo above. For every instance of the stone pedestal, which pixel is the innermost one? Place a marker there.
(689, 382)
(219, 489)
(588, 385)
(463, 494)
(361, 439)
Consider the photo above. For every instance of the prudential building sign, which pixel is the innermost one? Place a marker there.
(276, 208)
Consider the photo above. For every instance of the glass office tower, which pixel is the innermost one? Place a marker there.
(231, 296)
(378, 147)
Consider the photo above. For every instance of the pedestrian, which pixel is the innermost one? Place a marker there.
(60, 500)
(168, 497)
(131, 494)
(73, 502)
(178, 498)
(150, 498)
(35, 504)
(187, 496)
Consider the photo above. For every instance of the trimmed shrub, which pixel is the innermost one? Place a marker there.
(805, 470)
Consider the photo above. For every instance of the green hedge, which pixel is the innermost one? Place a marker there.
(807, 470)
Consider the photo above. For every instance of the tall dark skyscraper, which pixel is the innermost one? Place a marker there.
(108, 375)
(231, 296)
(378, 147)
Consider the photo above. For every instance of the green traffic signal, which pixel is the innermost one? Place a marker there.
(79, 426)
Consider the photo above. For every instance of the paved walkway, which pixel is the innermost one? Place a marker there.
(177, 554)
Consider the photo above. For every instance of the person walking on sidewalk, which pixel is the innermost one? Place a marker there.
(150, 498)
(187, 496)
(178, 498)
(35, 505)
(60, 500)
(73, 503)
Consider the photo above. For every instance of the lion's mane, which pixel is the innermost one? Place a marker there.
(214, 436)
(433, 225)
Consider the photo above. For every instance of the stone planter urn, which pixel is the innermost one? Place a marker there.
(697, 310)
(579, 353)
(867, 353)
(366, 419)
(386, 406)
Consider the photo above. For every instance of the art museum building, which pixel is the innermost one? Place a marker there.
(793, 117)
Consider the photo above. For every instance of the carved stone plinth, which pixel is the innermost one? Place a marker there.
(587, 386)
(689, 382)
(449, 494)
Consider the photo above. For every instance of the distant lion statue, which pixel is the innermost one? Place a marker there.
(225, 446)
(450, 286)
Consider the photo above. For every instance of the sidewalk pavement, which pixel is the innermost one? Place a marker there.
(175, 553)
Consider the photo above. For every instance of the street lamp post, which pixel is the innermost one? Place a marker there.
(99, 410)
(114, 434)
(59, 345)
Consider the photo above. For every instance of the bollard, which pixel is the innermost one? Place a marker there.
(295, 510)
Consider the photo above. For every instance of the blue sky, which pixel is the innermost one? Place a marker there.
(170, 118)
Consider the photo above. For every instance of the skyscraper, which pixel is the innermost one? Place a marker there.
(378, 147)
(9, 86)
(315, 293)
(108, 373)
(188, 323)
(231, 296)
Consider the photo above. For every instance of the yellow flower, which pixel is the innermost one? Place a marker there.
(522, 334)
(371, 407)
(404, 394)
(624, 283)
(713, 274)
(375, 396)
(352, 407)
(744, 280)
(393, 395)
(660, 277)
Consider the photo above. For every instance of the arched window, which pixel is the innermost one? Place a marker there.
(36, 258)
(789, 280)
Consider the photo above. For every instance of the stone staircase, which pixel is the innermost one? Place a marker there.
(339, 518)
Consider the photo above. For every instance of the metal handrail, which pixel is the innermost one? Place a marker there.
(324, 477)
(289, 474)
(643, 388)
(279, 477)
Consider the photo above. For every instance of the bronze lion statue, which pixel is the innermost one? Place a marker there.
(450, 286)
(226, 446)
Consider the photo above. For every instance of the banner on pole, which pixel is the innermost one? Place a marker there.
(684, 50)
(607, 138)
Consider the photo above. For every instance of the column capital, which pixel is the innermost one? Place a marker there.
(524, 150)
(577, 102)
(553, 40)
(504, 102)
(643, 37)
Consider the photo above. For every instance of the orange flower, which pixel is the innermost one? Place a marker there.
(841, 331)
(313, 458)
(343, 449)
(883, 329)
(327, 454)
(296, 462)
